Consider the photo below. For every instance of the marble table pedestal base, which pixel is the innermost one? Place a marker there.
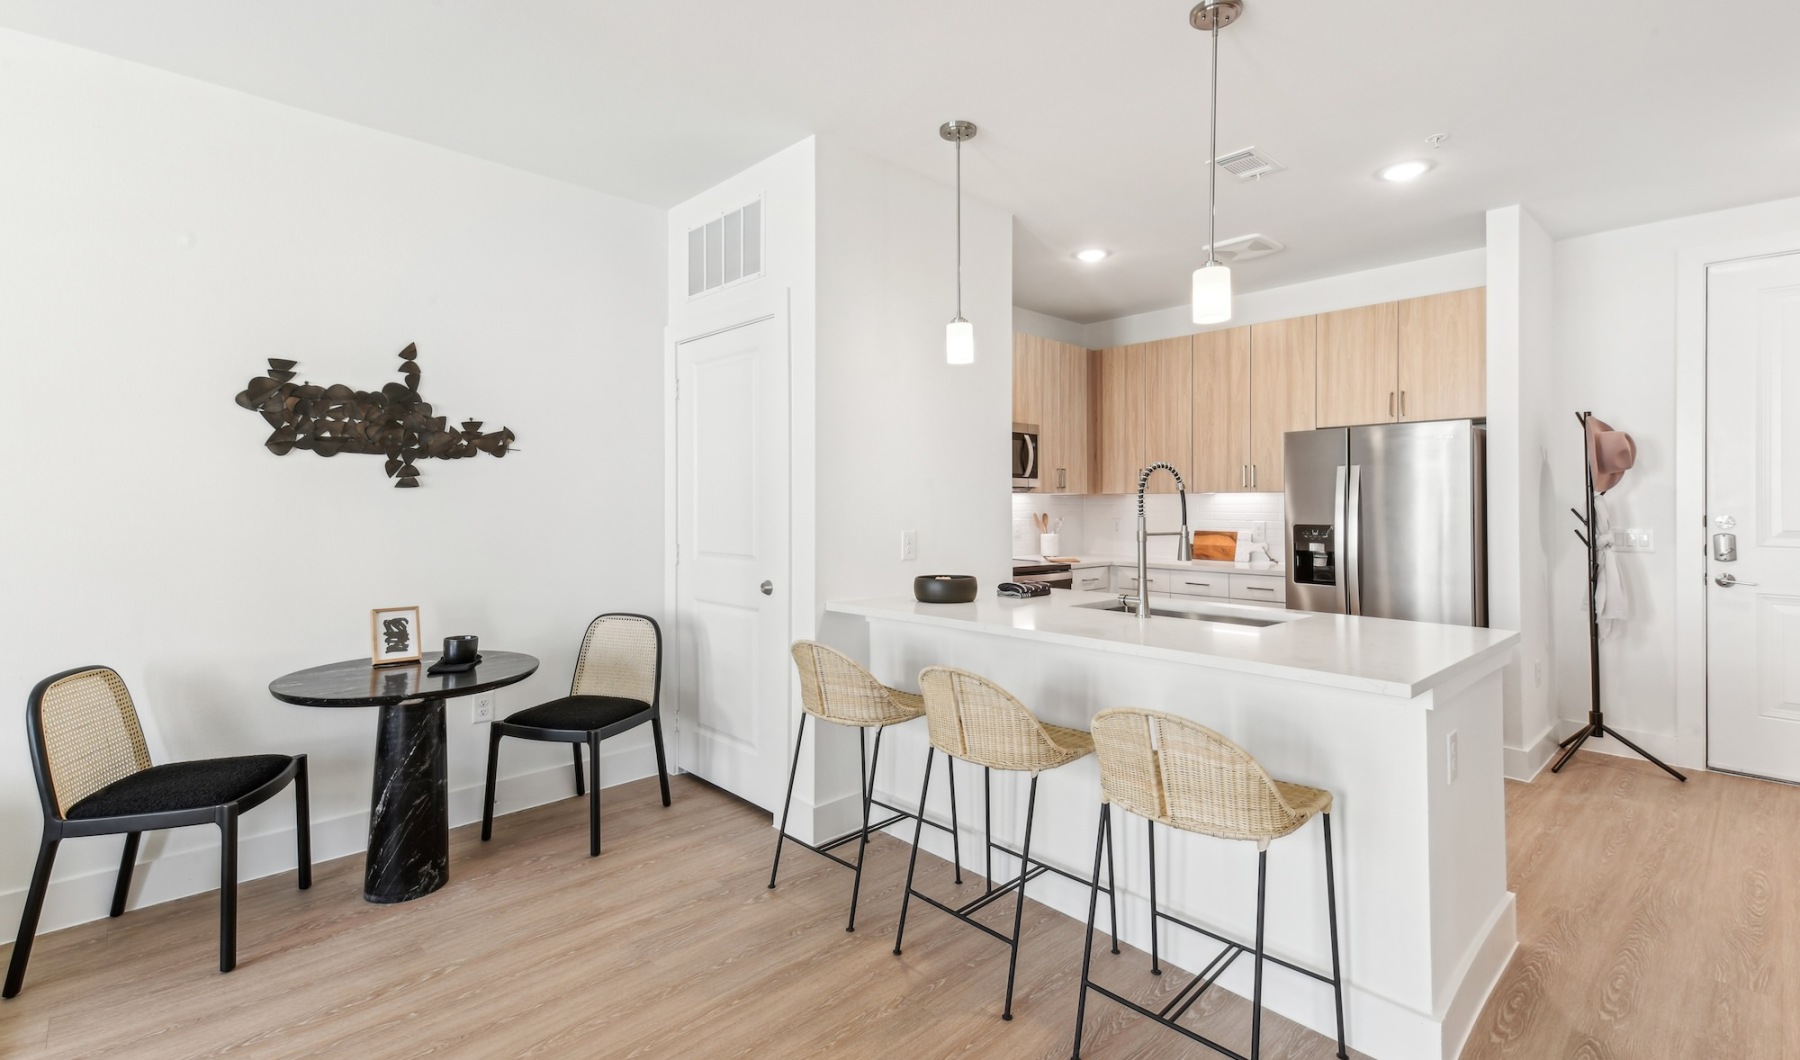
(409, 811)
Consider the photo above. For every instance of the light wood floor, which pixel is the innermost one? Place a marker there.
(1655, 921)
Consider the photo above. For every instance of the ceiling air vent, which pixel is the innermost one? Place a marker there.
(1249, 164)
(1247, 248)
(725, 250)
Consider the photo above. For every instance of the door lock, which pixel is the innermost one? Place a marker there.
(767, 587)
(1725, 548)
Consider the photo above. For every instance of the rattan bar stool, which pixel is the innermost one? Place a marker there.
(1172, 771)
(835, 688)
(974, 720)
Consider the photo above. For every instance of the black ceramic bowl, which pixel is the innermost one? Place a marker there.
(460, 650)
(944, 588)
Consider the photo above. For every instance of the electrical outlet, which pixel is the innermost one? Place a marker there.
(1634, 540)
(909, 545)
(481, 708)
(1116, 522)
(1259, 532)
(1450, 758)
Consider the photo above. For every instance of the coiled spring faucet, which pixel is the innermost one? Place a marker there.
(1184, 549)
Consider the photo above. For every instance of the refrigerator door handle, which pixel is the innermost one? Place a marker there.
(1352, 561)
(1341, 528)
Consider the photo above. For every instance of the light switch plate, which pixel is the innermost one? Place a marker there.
(1634, 540)
(1451, 762)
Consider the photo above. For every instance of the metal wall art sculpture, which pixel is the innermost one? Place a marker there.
(393, 421)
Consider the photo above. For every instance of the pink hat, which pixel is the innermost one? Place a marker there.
(1610, 453)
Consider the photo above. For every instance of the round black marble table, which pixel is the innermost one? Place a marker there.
(409, 810)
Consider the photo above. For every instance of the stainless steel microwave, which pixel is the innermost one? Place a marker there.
(1025, 456)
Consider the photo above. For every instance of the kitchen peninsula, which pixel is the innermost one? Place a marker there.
(1400, 720)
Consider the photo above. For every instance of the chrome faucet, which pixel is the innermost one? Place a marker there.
(1184, 551)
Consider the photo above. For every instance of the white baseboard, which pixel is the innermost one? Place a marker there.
(194, 869)
(1480, 973)
(1525, 763)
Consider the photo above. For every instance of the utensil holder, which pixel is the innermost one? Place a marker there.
(1049, 544)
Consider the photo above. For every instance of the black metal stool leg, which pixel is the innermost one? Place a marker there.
(593, 792)
(987, 822)
(127, 862)
(1337, 975)
(787, 804)
(912, 864)
(868, 794)
(955, 828)
(228, 842)
(1087, 950)
(487, 802)
(1112, 890)
(1262, 881)
(1012, 965)
(1155, 956)
(575, 749)
(34, 905)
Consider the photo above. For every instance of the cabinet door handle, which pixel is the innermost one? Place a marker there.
(1402, 404)
(1252, 476)
(1243, 476)
(1390, 403)
(1062, 478)
(1258, 589)
(1199, 585)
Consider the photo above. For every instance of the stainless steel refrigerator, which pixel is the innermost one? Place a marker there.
(1389, 520)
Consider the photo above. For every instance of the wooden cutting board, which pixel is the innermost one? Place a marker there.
(1215, 544)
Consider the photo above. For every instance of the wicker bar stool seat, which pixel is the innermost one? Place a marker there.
(974, 720)
(835, 688)
(1180, 774)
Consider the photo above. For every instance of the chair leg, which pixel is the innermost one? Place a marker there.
(912, 863)
(1337, 976)
(987, 822)
(34, 905)
(1112, 888)
(302, 824)
(868, 793)
(575, 750)
(1262, 893)
(787, 804)
(955, 827)
(1087, 950)
(1155, 956)
(126, 863)
(662, 762)
(228, 874)
(593, 793)
(487, 802)
(1012, 965)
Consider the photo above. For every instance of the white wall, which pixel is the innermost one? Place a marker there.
(1522, 513)
(162, 238)
(1046, 326)
(1413, 279)
(1616, 339)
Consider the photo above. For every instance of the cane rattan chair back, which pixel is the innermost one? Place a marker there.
(976, 720)
(619, 657)
(1183, 774)
(836, 688)
(91, 736)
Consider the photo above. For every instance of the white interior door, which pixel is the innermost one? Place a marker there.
(732, 586)
(1753, 494)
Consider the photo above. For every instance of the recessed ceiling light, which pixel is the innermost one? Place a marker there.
(1401, 172)
(1092, 254)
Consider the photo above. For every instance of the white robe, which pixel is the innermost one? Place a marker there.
(1610, 601)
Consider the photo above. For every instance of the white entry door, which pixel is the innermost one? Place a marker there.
(1753, 498)
(731, 573)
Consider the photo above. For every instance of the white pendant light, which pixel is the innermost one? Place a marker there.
(1212, 281)
(959, 334)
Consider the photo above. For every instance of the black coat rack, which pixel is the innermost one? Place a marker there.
(1596, 723)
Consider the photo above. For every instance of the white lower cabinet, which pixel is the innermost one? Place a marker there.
(1259, 589)
(1088, 579)
(1199, 583)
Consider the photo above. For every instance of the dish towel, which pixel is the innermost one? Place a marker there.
(1610, 602)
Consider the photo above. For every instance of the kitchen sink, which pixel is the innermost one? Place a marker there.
(1234, 616)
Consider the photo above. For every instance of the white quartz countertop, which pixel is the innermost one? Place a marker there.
(1272, 570)
(1376, 655)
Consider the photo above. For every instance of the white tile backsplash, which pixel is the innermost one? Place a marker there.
(1107, 525)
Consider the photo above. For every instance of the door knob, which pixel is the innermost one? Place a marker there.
(1726, 581)
(767, 587)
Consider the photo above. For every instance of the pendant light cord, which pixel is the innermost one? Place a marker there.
(959, 229)
(1212, 162)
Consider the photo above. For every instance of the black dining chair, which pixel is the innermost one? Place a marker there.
(617, 686)
(94, 777)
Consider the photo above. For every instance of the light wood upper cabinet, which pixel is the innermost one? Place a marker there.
(1357, 365)
(1118, 404)
(1050, 391)
(1028, 379)
(1221, 412)
(1063, 442)
(1443, 356)
(1168, 410)
(1284, 375)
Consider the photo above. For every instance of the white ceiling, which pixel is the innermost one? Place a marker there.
(1595, 114)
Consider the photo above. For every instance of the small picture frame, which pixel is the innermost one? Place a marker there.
(394, 635)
